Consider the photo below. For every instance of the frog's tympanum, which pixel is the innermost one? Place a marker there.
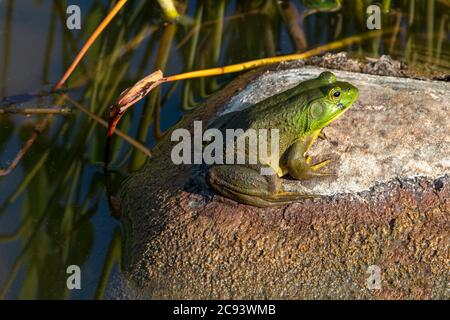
(299, 114)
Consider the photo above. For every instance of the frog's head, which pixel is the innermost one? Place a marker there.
(334, 100)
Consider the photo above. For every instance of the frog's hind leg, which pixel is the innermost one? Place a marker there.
(278, 199)
(246, 184)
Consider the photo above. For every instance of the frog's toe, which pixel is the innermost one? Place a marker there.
(324, 174)
(317, 166)
(322, 136)
(309, 174)
(320, 165)
(289, 196)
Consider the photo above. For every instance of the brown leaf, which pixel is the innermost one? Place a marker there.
(132, 95)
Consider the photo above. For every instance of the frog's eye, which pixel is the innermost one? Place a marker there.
(335, 93)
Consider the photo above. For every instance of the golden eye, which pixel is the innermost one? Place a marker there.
(335, 93)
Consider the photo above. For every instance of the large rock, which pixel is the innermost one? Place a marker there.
(388, 207)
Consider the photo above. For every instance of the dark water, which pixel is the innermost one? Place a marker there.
(53, 206)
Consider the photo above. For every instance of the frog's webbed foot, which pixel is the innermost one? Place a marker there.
(317, 166)
(304, 170)
(322, 136)
(298, 165)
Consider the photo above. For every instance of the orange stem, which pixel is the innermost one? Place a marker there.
(266, 61)
(89, 43)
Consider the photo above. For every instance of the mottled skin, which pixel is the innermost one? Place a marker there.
(299, 114)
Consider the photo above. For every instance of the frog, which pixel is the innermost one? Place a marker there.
(299, 114)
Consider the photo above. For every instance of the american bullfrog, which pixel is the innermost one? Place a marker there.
(299, 114)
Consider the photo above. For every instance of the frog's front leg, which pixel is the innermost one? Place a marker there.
(298, 166)
(322, 135)
(309, 141)
(244, 183)
(312, 137)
